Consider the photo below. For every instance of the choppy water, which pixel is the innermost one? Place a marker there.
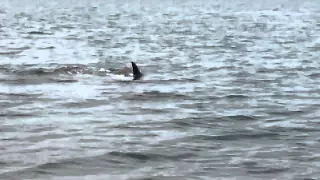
(231, 90)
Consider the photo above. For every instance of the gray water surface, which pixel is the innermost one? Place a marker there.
(231, 90)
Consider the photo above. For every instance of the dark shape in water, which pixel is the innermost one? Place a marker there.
(136, 72)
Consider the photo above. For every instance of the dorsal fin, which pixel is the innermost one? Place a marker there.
(136, 72)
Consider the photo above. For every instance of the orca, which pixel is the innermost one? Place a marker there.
(137, 75)
(82, 69)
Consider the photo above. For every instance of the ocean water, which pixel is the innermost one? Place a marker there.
(231, 90)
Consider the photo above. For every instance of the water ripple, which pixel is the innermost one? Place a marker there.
(231, 89)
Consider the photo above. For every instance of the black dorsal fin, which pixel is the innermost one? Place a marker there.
(136, 72)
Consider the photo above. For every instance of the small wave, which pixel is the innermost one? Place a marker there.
(151, 156)
(49, 47)
(7, 128)
(221, 68)
(236, 96)
(38, 71)
(304, 129)
(190, 122)
(268, 170)
(63, 80)
(314, 75)
(151, 111)
(40, 33)
(36, 80)
(239, 118)
(15, 114)
(20, 94)
(153, 95)
(8, 53)
(286, 112)
(100, 163)
(86, 104)
(187, 80)
(236, 136)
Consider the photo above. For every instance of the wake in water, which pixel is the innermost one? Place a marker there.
(27, 74)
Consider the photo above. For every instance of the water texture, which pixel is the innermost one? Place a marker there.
(231, 90)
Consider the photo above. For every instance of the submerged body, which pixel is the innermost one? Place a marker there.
(67, 73)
